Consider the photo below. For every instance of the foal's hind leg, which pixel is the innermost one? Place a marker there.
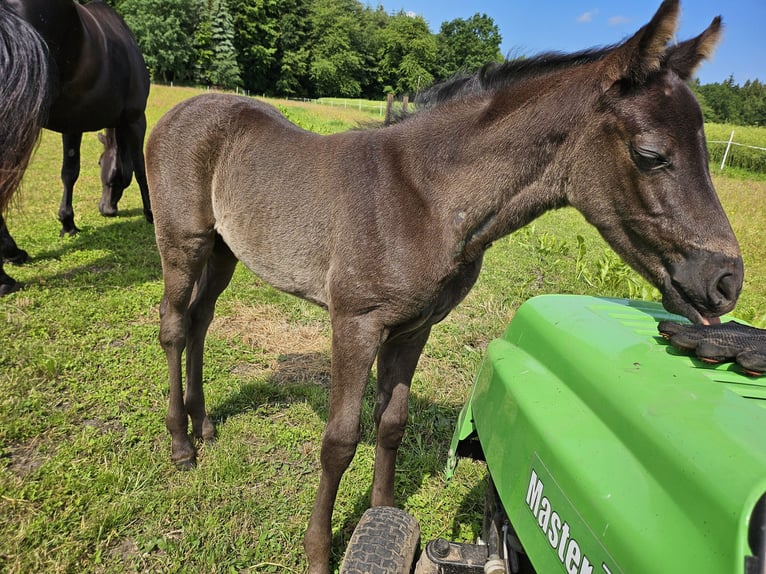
(202, 268)
(397, 360)
(215, 278)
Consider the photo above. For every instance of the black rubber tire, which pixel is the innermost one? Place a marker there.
(386, 541)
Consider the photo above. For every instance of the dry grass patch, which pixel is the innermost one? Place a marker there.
(293, 352)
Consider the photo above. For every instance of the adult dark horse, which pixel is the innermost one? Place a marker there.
(387, 228)
(96, 79)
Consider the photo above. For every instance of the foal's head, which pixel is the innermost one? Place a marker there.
(116, 173)
(624, 140)
(644, 180)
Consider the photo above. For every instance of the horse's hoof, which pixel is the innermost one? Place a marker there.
(8, 288)
(18, 258)
(70, 231)
(149, 216)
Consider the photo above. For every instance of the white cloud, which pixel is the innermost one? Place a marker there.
(587, 16)
(618, 20)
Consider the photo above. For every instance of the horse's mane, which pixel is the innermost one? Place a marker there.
(493, 76)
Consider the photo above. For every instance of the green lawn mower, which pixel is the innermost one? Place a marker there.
(608, 451)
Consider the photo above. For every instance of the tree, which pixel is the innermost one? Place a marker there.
(466, 45)
(407, 56)
(256, 39)
(224, 69)
(337, 64)
(289, 74)
(164, 30)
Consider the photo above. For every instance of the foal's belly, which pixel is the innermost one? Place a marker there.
(282, 250)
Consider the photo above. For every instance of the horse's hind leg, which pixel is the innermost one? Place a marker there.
(7, 283)
(215, 277)
(70, 171)
(135, 141)
(397, 360)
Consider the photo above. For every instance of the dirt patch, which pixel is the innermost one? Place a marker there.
(26, 458)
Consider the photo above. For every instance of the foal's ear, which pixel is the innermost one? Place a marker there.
(686, 57)
(642, 54)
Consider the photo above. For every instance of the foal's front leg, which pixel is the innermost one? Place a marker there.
(355, 343)
(397, 361)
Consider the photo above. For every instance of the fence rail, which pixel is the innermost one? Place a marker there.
(757, 165)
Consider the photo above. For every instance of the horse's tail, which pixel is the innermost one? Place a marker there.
(23, 98)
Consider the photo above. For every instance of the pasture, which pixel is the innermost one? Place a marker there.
(86, 484)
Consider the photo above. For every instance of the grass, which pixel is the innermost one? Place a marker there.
(85, 479)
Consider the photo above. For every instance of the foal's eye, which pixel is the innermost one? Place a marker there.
(648, 159)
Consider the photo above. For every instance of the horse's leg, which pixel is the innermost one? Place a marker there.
(397, 360)
(7, 283)
(136, 134)
(9, 251)
(355, 342)
(181, 267)
(70, 171)
(215, 278)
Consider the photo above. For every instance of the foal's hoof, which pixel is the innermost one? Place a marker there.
(149, 215)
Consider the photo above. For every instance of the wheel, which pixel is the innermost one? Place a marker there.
(386, 541)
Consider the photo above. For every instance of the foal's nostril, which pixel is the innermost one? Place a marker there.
(728, 287)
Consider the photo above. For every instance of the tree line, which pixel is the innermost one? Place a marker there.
(730, 103)
(303, 48)
(314, 48)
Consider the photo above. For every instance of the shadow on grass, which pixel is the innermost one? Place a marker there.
(132, 255)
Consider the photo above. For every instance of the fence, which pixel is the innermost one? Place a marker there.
(753, 161)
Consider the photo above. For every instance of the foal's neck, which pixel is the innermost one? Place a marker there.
(506, 161)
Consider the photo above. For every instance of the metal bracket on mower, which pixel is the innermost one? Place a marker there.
(455, 557)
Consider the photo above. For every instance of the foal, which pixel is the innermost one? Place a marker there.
(387, 228)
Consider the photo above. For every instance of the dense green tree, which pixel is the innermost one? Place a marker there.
(337, 64)
(224, 70)
(407, 56)
(466, 45)
(256, 38)
(289, 74)
(164, 30)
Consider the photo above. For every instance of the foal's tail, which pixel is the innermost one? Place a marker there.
(23, 98)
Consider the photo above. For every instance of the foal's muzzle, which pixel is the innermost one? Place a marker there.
(704, 285)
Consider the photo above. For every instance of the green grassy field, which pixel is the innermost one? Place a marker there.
(86, 484)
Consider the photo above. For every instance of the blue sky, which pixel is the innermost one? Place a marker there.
(569, 25)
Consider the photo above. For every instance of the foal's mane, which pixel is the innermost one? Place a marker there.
(492, 77)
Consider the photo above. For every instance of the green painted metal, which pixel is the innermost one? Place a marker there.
(611, 451)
